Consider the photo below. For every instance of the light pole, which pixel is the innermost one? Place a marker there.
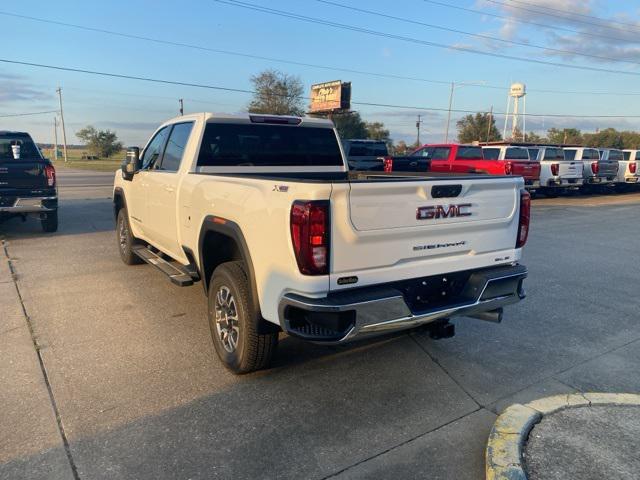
(455, 85)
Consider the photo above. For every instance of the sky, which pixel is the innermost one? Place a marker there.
(405, 63)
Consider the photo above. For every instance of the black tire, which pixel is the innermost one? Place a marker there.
(126, 240)
(233, 321)
(550, 193)
(49, 222)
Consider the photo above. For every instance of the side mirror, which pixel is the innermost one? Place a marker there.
(131, 163)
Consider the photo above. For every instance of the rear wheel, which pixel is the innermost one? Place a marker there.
(49, 222)
(233, 322)
(126, 240)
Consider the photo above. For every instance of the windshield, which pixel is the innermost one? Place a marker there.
(28, 149)
(249, 145)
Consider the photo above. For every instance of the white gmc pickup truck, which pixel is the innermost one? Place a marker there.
(263, 210)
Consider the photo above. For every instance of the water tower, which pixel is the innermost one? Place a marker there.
(516, 92)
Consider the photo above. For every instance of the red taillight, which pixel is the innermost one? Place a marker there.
(595, 167)
(310, 236)
(508, 168)
(525, 217)
(387, 164)
(555, 169)
(50, 172)
(633, 167)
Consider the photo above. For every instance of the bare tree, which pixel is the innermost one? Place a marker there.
(277, 93)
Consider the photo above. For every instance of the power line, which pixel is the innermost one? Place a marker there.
(476, 35)
(229, 52)
(252, 92)
(564, 15)
(353, 28)
(526, 22)
(6, 115)
(292, 62)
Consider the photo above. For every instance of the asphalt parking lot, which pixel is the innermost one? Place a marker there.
(125, 383)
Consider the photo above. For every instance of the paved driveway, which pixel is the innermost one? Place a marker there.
(107, 370)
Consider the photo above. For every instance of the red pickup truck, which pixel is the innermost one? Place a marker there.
(502, 160)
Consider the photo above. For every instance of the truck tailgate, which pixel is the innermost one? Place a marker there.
(392, 224)
(569, 169)
(23, 174)
(529, 170)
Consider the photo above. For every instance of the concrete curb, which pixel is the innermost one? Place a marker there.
(511, 429)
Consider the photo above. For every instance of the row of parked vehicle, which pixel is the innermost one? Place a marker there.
(549, 169)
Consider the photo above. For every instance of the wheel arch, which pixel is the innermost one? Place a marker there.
(119, 201)
(221, 240)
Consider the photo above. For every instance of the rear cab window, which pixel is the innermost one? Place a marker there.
(590, 154)
(533, 153)
(570, 155)
(263, 145)
(554, 154)
(28, 149)
(627, 155)
(491, 153)
(516, 153)
(616, 155)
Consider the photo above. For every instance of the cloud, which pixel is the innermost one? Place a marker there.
(17, 88)
(573, 26)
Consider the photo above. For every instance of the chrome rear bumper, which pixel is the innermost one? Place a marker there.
(344, 316)
(31, 205)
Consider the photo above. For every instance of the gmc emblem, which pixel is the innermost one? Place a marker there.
(443, 211)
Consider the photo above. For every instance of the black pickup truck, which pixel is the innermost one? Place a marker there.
(27, 181)
(373, 156)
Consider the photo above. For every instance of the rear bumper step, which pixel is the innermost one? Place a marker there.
(343, 316)
(176, 274)
(17, 204)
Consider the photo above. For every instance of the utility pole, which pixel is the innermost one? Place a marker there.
(490, 121)
(64, 133)
(418, 127)
(55, 138)
(181, 107)
(446, 135)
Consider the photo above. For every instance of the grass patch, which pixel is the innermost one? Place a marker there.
(74, 160)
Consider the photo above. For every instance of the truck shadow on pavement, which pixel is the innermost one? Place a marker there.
(75, 216)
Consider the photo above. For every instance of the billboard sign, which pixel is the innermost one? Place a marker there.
(330, 97)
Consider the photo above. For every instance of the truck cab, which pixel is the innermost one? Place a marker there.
(263, 211)
(365, 155)
(629, 167)
(516, 161)
(453, 157)
(595, 170)
(556, 172)
(27, 181)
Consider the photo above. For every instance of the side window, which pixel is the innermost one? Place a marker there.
(441, 153)
(175, 147)
(491, 153)
(423, 152)
(153, 151)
